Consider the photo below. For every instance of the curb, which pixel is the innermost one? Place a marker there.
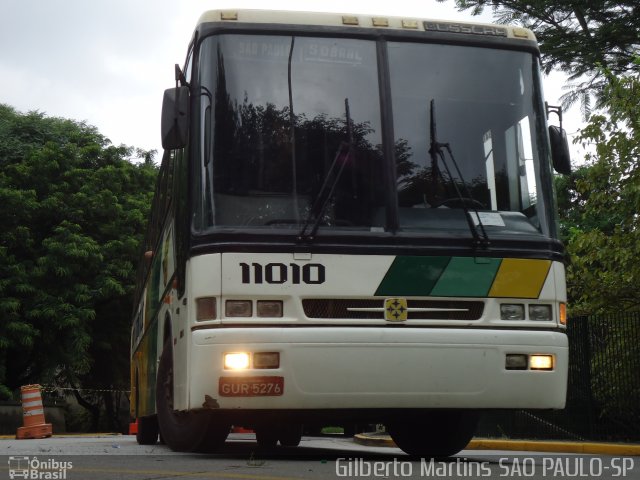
(378, 440)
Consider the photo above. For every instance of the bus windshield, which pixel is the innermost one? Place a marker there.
(292, 122)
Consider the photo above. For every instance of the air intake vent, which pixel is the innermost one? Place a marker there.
(373, 309)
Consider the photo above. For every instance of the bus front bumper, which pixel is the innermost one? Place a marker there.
(379, 368)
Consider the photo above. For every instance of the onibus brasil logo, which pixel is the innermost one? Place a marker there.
(33, 468)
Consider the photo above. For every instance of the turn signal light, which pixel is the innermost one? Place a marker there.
(563, 314)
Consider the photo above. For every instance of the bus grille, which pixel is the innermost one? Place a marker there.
(373, 309)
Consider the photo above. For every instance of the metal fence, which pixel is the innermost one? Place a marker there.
(603, 397)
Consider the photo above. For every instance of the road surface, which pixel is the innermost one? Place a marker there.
(120, 457)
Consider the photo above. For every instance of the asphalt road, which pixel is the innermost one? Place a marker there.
(120, 457)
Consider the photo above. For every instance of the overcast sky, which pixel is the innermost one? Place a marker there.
(108, 62)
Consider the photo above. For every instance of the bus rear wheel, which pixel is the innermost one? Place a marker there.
(435, 434)
(183, 431)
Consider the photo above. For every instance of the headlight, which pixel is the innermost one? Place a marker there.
(236, 361)
(540, 312)
(541, 362)
(511, 311)
(205, 308)
(238, 308)
(269, 308)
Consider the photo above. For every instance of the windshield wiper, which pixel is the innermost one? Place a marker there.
(437, 151)
(343, 156)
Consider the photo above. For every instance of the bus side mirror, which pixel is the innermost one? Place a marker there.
(560, 150)
(175, 118)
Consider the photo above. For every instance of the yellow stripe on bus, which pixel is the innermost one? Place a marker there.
(520, 278)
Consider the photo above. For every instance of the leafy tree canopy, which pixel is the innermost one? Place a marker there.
(73, 213)
(575, 36)
(601, 203)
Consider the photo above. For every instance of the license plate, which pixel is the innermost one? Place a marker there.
(251, 386)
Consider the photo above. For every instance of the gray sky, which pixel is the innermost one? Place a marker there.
(108, 62)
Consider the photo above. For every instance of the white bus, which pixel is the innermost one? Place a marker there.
(354, 223)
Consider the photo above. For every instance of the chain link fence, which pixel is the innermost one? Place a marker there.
(603, 397)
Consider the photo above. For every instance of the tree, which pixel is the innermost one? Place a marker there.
(74, 210)
(603, 227)
(577, 37)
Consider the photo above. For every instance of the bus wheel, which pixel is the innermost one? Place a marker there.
(181, 431)
(267, 437)
(437, 434)
(147, 430)
(214, 438)
(290, 435)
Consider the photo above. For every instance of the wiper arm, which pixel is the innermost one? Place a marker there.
(436, 151)
(343, 156)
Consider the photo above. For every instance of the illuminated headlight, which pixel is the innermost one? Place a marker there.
(236, 361)
(269, 308)
(238, 308)
(540, 312)
(511, 311)
(541, 362)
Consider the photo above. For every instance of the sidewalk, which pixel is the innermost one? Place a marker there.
(384, 440)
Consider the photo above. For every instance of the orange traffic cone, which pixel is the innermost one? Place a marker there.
(133, 428)
(33, 414)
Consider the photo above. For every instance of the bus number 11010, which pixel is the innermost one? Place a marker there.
(277, 273)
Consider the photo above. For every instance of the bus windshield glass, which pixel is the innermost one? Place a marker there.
(292, 133)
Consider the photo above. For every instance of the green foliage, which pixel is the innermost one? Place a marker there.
(614, 360)
(576, 37)
(601, 221)
(74, 210)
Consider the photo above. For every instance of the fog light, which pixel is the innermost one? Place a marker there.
(269, 308)
(266, 360)
(541, 362)
(516, 361)
(238, 308)
(511, 311)
(540, 312)
(236, 361)
(205, 308)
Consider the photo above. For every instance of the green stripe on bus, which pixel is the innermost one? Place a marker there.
(467, 277)
(412, 276)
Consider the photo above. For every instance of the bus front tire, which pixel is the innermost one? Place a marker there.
(267, 437)
(183, 431)
(437, 435)
(290, 435)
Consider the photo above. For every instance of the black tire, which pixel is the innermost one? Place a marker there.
(290, 435)
(214, 438)
(350, 430)
(183, 431)
(438, 434)
(267, 438)
(147, 430)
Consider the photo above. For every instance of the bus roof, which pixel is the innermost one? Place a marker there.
(287, 17)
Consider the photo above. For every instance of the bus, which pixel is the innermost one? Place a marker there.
(354, 223)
